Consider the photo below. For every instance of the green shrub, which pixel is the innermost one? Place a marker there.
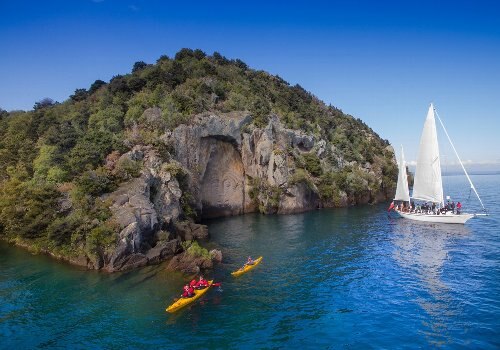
(27, 208)
(126, 169)
(194, 250)
(312, 164)
(100, 238)
(267, 197)
(176, 170)
(328, 189)
(90, 150)
(300, 176)
(95, 182)
(62, 228)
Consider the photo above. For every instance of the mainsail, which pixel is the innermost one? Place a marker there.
(402, 192)
(428, 185)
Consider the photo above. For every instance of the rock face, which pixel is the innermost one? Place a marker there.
(223, 155)
(222, 187)
(210, 149)
(299, 198)
(228, 167)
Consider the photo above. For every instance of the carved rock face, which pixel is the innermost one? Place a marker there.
(222, 186)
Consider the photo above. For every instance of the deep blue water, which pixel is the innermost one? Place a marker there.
(346, 278)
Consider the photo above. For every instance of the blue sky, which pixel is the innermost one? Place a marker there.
(383, 62)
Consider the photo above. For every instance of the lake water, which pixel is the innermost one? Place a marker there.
(345, 278)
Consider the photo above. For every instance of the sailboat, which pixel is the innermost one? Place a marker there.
(428, 184)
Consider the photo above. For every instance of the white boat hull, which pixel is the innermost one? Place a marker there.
(447, 218)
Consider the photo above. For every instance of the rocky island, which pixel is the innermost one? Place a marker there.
(122, 174)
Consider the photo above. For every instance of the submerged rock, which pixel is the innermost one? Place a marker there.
(216, 255)
(192, 264)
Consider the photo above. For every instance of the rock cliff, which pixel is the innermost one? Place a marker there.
(229, 168)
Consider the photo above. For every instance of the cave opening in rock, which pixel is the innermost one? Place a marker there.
(223, 182)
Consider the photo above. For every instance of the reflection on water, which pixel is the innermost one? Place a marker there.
(422, 251)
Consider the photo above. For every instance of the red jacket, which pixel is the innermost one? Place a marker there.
(202, 283)
(188, 293)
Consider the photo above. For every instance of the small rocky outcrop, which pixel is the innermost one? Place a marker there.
(194, 259)
(216, 255)
(189, 264)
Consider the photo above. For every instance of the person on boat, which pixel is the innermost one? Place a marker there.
(193, 283)
(433, 208)
(459, 207)
(188, 291)
(391, 206)
(453, 207)
(202, 283)
(250, 261)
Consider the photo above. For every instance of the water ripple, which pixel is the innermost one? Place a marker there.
(348, 278)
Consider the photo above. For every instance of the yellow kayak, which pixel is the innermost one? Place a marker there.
(185, 301)
(246, 268)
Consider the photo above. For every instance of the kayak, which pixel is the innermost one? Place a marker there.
(186, 301)
(246, 268)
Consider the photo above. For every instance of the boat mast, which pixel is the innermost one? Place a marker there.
(456, 153)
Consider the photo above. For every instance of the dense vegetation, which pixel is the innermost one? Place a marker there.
(55, 160)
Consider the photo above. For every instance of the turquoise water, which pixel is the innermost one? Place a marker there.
(346, 278)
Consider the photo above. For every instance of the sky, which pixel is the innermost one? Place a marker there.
(380, 61)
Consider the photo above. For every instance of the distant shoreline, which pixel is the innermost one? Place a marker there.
(493, 172)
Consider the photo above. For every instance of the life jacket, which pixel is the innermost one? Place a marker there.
(193, 283)
(187, 292)
(202, 283)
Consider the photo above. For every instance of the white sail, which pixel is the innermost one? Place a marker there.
(428, 185)
(402, 192)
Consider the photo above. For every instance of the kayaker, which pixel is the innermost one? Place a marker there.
(193, 283)
(202, 283)
(188, 291)
(250, 261)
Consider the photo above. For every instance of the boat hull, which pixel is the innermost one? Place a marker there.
(447, 218)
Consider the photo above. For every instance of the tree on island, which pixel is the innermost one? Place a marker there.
(95, 86)
(46, 102)
(139, 65)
